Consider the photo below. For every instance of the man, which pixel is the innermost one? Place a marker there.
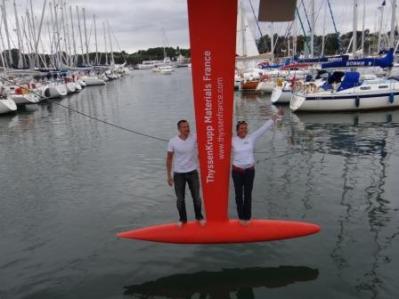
(182, 152)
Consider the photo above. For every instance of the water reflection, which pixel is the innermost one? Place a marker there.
(249, 106)
(24, 120)
(365, 141)
(380, 215)
(345, 134)
(228, 283)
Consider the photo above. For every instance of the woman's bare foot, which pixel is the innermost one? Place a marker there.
(202, 222)
(180, 224)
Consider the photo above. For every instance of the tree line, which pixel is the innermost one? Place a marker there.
(334, 43)
(102, 58)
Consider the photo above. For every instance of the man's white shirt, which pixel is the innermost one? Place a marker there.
(185, 153)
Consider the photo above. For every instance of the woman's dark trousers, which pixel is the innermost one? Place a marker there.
(243, 183)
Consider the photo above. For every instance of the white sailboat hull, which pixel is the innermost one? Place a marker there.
(7, 105)
(56, 91)
(70, 87)
(82, 83)
(24, 99)
(166, 70)
(77, 86)
(281, 96)
(41, 90)
(93, 81)
(266, 86)
(345, 103)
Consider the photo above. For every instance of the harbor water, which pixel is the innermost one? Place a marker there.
(70, 183)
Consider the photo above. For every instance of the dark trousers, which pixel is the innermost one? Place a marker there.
(180, 180)
(243, 183)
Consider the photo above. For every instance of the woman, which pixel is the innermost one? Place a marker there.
(243, 170)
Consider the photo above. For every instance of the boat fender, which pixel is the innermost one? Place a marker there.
(391, 97)
(297, 86)
(357, 102)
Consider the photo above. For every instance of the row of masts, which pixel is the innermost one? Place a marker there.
(391, 42)
(62, 42)
(356, 49)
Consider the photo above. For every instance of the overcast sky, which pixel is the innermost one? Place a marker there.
(140, 24)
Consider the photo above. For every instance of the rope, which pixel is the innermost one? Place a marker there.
(120, 127)
(112, 124)
(93, 117)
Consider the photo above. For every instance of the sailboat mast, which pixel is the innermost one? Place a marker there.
(272, 40)
(380, 29)
(3, 61)
(95, 37)
(288, 40)
(30, 38)
(393, 19)
(294, 38)
(33, 32)
(52, 36)
(6, 31)
(67, 37)
(80, 35)
(73, 36)
(110, 44)
(85, 31)
(39, 33)
(27, 41)
(58, 40)
(105, 44)
(32, 20)
(64, 32)
(354, 35)
(363, 26)
(20, 61)
(242, 15)
(323, 37)
(313, 25)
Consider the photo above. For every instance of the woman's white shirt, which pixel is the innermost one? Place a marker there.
(243, 148)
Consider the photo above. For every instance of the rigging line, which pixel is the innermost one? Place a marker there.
(111, 124)
(276, 157)
(119, 46)
(94, 118)
(303, 28)
(306, 15)
(256, 21)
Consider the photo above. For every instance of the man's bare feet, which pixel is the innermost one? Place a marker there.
(180, 224)
(244, 222)
(202, 222)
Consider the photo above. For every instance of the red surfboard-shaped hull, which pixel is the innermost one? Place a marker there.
(213, 47)
(230, 231)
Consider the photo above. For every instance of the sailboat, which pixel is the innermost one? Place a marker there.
(247, 54)
(7, 104)
(213, 59)
(350, 94)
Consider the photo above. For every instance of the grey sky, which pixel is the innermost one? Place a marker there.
(140, 24)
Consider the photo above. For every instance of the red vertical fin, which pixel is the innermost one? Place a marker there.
(213, 46)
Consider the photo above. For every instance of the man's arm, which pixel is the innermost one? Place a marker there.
(169, 159)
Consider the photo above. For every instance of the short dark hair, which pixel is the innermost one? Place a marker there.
(239, 123)
(180, 122)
